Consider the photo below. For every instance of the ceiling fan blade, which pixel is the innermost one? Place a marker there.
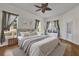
(44, 5)
(38, 10)
(37, 6)
(48, 9)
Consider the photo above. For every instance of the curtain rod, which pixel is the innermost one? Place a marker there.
(10, 13)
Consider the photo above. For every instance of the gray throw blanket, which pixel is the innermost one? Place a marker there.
(29, 42)
(27, 38)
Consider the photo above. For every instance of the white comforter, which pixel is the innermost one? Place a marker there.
(21, 39)
(41, 48)
(44, 47)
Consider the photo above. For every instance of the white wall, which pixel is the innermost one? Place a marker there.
(24, 16)
(71, 16)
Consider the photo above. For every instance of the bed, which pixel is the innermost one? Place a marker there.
(40, 46)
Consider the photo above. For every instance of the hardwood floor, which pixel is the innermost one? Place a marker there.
(3, 49)
(71, 49)
(12, 43)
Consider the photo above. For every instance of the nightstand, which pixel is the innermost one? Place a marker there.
(12, 41)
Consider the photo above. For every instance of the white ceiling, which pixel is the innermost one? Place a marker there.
(57, 8)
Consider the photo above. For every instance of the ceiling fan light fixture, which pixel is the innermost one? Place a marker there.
(44, 7)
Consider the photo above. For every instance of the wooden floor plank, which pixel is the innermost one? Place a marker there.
(3, 49)
(71, 49)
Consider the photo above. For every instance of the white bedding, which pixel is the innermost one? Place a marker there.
(27, 43)
(44, 47)
(21, 39)
(41, 48)
(59, 51)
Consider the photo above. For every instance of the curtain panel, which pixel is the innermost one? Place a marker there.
(36, 24)
(47, 25)
(7, 20)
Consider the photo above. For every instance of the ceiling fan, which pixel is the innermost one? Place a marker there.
(44, 7)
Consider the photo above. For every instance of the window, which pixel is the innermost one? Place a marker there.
(53, 27)
(38, 26)
(9, 20)
(69, 25)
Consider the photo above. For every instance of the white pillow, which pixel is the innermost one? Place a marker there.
(22, 34)
(53, 34)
